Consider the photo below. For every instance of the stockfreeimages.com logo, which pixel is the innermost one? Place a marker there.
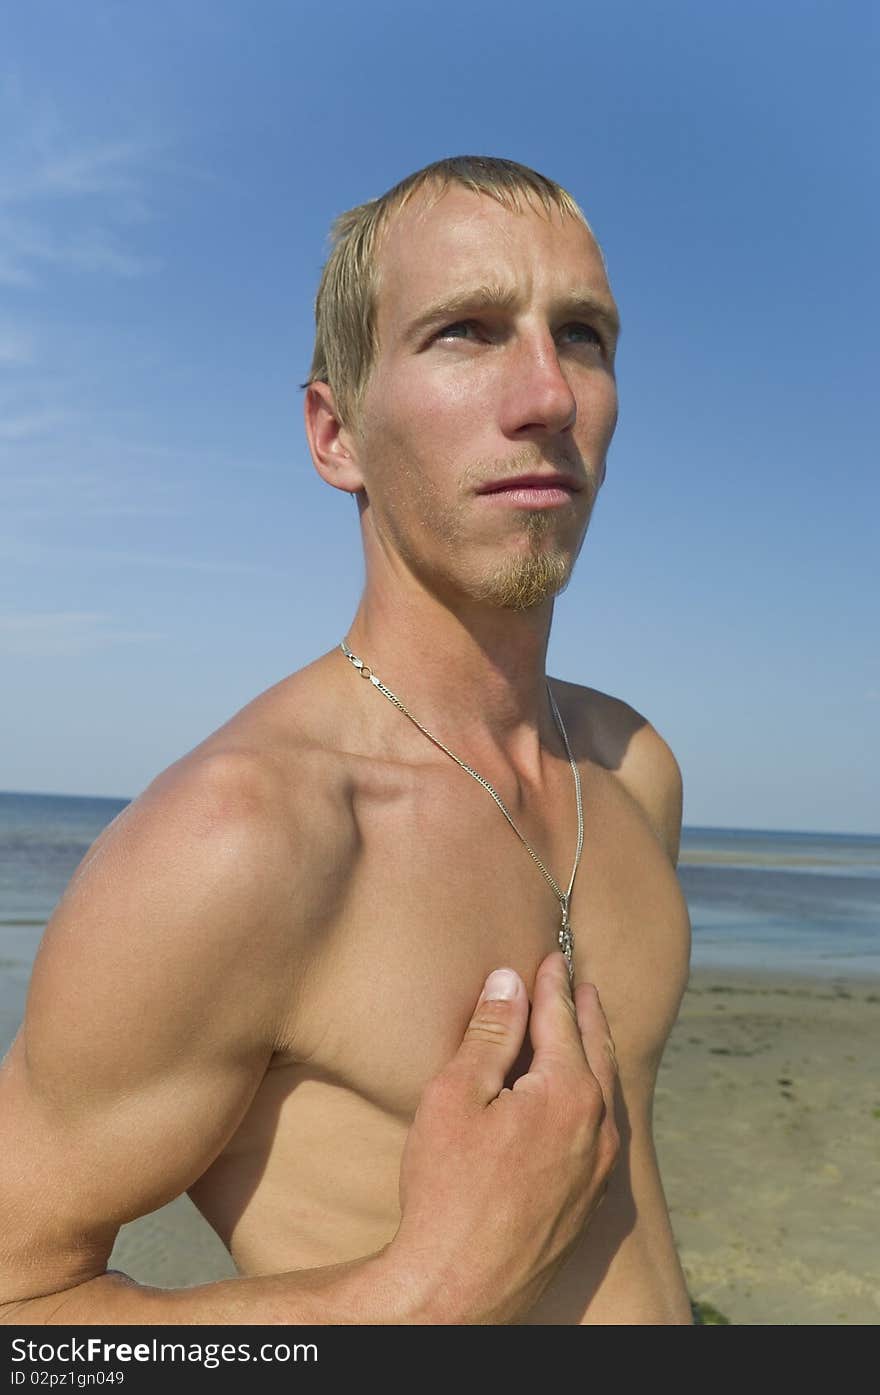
(208, 1354)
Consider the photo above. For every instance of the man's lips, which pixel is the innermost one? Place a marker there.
(552, 481)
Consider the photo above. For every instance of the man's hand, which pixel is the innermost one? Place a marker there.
(497, 1183)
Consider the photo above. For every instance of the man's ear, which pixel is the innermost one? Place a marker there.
(332, 445)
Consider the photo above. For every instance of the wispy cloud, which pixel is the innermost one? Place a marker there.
(63, 634)
(17, 346)
(59, 480)
(66, 200)
(29, 426)
(37, 554)
(87, 171)
(26, 247)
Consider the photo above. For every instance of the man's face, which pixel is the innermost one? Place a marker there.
(496, 338)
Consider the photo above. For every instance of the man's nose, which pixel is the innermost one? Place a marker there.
(537, 396)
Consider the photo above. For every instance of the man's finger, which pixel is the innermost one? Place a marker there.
(554, 1026)
(494, 1035)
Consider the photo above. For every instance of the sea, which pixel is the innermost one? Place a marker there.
(798, 903)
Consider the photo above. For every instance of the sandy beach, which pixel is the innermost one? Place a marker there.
(768, 1132)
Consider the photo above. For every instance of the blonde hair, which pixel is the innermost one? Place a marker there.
(345, 307)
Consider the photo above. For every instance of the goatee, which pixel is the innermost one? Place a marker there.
(522, 583)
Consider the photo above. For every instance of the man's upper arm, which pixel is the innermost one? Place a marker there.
(151, 1017)
(653, 776)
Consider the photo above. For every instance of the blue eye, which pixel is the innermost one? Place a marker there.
(593, 334)
(450, 331)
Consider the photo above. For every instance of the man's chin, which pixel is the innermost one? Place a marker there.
(526, 583)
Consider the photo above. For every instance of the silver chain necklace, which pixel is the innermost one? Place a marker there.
(565, 936)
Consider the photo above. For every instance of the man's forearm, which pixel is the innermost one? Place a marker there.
(375, 1290)
(496, 1187)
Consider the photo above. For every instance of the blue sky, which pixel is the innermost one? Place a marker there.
(168, 174)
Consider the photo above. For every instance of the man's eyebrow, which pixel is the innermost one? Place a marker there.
(486, 297)
(587, 306)
(581, 305)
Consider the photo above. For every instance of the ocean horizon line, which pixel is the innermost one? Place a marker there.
(686, 827)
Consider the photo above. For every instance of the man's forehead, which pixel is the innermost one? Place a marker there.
(441, 243)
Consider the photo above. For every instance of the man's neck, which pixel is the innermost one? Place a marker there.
(473, 675)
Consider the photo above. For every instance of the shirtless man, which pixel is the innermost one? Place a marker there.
(312, 898)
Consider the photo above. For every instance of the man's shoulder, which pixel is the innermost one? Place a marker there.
(623, 741)
(271, 765)
(257, 809)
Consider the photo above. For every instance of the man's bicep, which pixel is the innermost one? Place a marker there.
(70, 1177)
(149, 1025)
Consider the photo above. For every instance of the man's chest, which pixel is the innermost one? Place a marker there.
(442, 890)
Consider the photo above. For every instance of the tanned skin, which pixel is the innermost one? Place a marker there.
(270, 958)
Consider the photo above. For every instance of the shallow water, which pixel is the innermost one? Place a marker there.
(801, 902)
